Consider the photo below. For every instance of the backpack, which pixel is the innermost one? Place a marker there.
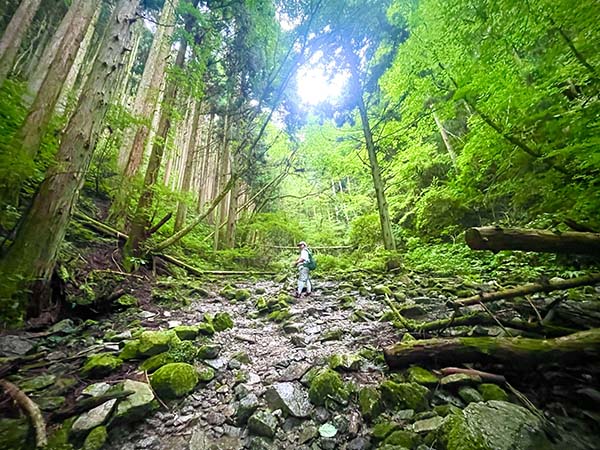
(311, 264)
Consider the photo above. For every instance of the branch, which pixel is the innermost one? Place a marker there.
(41, 440)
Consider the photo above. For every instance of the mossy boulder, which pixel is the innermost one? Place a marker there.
(493, 425)
(205, 329)
(127, 301)
(131, 350)
(174, 380)
(156, 362)
(492, 392)
(469, 394)
(327, 384)
(403, 438)
(404, 395)
(209, 351)
(419, 375)
(205, 374)
(369, 400)
(262, 423)
(383, 429)
(382, 290)
(345, 362)
(96, 439)
(222, 321)
(279, 315)
(155, 342)
(186, 332)
(37, 383)
(228, 292)
(100, 365)
(242, 294)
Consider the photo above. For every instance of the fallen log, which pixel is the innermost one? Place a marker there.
(496, 239)
(522, 352)
(482, 318)
(32, 409)
(99, 227)
(531, 288)
(568, 313)
(199, 272)
(485, 376)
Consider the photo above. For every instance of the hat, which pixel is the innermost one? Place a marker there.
(302, 243)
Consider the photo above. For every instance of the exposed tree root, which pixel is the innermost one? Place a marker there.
(37, 420)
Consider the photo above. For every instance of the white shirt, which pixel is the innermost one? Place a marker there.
(304, 254)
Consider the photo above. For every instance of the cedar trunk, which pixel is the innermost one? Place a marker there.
(14, 34)
(32, 256)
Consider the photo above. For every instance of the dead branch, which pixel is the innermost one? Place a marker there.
(33, 410)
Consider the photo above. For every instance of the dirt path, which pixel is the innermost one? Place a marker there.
(255, 354)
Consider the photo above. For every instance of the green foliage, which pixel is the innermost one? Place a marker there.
(365, 231)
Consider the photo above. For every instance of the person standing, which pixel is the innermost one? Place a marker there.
(303, 270)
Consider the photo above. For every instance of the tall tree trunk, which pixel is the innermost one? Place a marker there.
(78, 66)
(148, 91)
(32, 255)
(30, 134)
(35, 81)
(14, 34)
(203, 176)
(188, 169)
(382, 205)
(232, 213)
(445, 137)
(221, 180)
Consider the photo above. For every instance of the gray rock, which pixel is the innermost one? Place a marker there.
(359, 443)
(427, 425)
(37, 383)
(93, 418)
(215, 418)
(308, 433)
(262, 423)
(148, 442)
(289, 397)
(459, 379)
(11, 345)
(138, 404)
(246, 408)
(321, 414)
(217, 363)
(494, 425)
(469, 394)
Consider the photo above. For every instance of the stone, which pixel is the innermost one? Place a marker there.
(327, 384)
(383, 429)
(205, 373)
(131, 350)
(332, 335)
(155, 342)
(222, 321)
(419, 375)
(369, 400)
(96, 389)
(66, 326)
(427, 425)
(459, 379)
(174, 380)
(93, 418)
(156, 362)
(262, 423)
(291, 328)
(404, 395)
(205, 329)
(123, 336)
(217, 363)
(402, 438)
(136, 405)
(11, 345)
(307, 433)
(359, 443)
(37, 383)
(493, 425)
(469, 394)
(209, 351)
(290, 398)
(186, 332)
(242, 294)
(492, 392)
(412, 312)
(246, 408)
(50, 403)
(345, 362)
(295, 371)
(100, 365)
(96, 439)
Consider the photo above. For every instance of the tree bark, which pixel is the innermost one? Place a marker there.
(382, 205)
(517, 352)
(14, 34)
(532, 288)
(30, 260)
(496, 239)
(148, 91)
(445, 137)
(29, 136)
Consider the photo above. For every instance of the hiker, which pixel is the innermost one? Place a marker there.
(303, 270)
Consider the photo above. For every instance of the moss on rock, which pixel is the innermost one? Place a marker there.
(186, 332)
(100, 365)
(131, 350)
(15, 434)
(492, 392)
(369, 400)
(327, 384)
(206, 329)
(174, 380)
(222, 321)
(155, 342)
(156, 362)
(205, 374)
(419, 375)
(402, 438)
(96, 439)
(242, 294)
(404, 395)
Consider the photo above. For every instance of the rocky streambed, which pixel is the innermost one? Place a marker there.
(244, 365)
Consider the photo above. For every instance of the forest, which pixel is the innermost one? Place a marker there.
(171, 169)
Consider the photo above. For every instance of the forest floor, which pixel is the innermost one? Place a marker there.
(264, 352)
